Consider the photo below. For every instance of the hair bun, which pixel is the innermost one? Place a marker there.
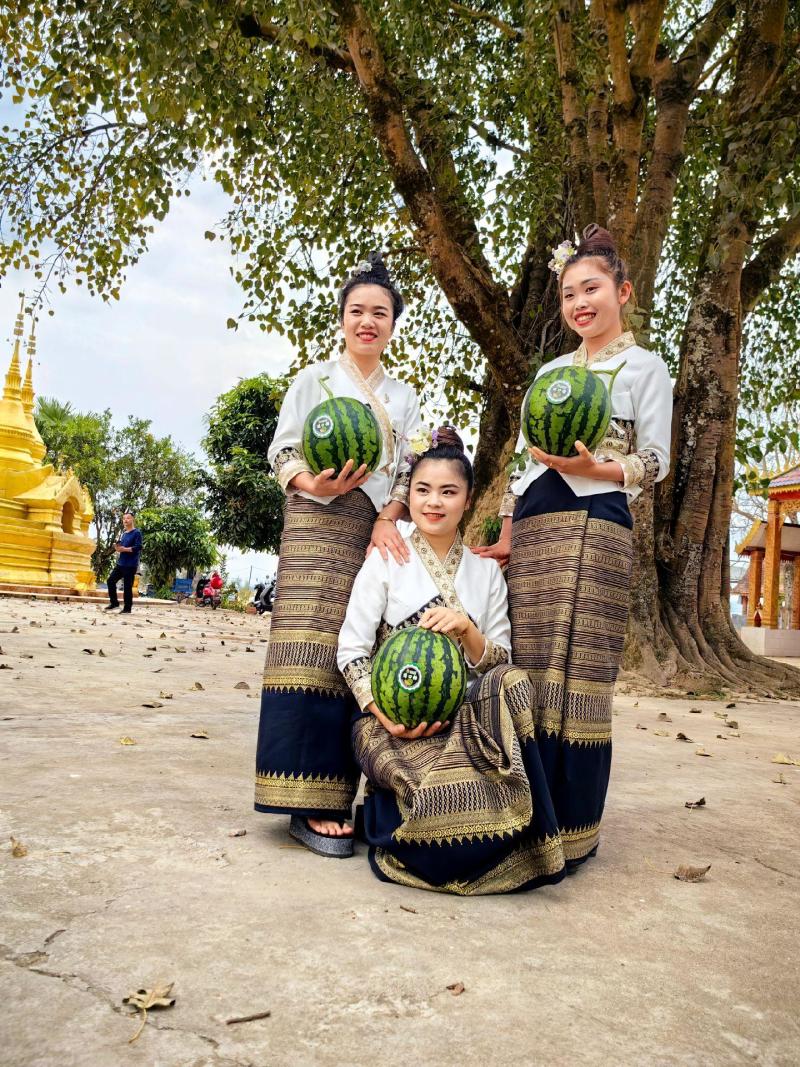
(446, 435)
(595, 239)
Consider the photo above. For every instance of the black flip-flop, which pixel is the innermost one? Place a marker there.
(322, 844)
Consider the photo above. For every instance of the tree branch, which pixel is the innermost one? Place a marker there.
(336, 58)
(504, 27)
(765, 267)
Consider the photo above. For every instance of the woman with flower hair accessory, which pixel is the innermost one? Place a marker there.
(304, 763)
(461, 807)
(567, 539)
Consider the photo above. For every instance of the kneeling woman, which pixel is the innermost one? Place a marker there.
(460, 808)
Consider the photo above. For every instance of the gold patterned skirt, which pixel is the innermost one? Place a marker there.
(568, 586)
(304, 762)
(466, 811)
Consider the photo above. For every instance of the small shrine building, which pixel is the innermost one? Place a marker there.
(44, 516)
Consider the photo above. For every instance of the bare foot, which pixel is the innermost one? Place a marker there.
(330, 829)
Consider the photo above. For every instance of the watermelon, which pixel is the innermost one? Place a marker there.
(565, 405)
(339, 429)
(418, 676)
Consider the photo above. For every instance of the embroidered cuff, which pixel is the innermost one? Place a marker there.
(287, 463)
(493, 656)
(508, 503)
(358, 675)
(401, 487)
(639, 469)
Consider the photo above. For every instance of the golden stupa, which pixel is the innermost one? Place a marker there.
(44, 516)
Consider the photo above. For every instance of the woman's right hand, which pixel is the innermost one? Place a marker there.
(328, 483)
(396, 730)
(501, 551)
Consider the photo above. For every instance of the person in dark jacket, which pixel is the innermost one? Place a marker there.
(129, 548)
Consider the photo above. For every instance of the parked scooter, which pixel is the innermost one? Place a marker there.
(263, 596)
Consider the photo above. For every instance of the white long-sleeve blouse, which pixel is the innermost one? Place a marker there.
(390, 480)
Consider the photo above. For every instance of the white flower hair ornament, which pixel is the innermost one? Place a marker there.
(421, 441)
(564, 252)
(364, 267)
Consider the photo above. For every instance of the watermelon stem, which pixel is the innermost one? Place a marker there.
(611, 373)
(323, 382)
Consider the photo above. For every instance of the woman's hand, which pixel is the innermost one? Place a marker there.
(501, 551)
(328, 483)
(387, 538)
(445, 621)
(584, 465)
(396, 730)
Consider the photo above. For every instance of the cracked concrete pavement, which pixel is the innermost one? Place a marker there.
(131, 879)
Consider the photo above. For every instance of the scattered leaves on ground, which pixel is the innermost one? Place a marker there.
(701, 803)
(731, 705)
(127, 741)
(165, 696)
(18, 850)
(663, 717)
(695, 711)
(640, 727)
(779, 779)
(457, 988)
(145, 999)
(691, 874)
(50, 644)
(660, 733)
(198, 687)
(237, 833)
(732, 724)
(152, 704)
(241, 685)
(199, 733)
(786, 761)
(720, 714)
(701, 752)
(88, 651)
(680, 736)
(162, 634)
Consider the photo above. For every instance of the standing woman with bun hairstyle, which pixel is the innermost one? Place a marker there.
(304, 764)
(567, 536)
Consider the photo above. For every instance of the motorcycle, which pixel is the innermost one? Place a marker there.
(211, 598)
(263, 596)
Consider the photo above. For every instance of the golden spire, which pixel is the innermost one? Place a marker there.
(12, 389)
(27, 387)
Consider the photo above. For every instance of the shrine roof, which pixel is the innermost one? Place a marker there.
(788, 480)
(757, 538)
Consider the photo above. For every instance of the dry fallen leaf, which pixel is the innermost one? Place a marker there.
(241, 685)
(691, 874)
(701, 803)
(779, 779)
(732, 724)
(695, 711)
(88, 651)
(144, 999)
(734, 733)
(786, 761)
(162, 634)
(682, 737)
(50, 645)
(198, 687)
(733, 705)
(721, 714)
(165, 696)
(178, 649)
(152, 648)
(640, 727)
(199, 733)
(457, 988)
(236, 833)
(152, 704)
(702, 752)
(127, 741)
(660, 733)
(18, 850)
(663, 717)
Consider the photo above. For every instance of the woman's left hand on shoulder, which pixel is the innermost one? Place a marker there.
(584, 465)
(445, 621)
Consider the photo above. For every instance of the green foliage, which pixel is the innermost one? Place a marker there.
(173, 538)
(120, 468)
(242, 495)
(491, 530)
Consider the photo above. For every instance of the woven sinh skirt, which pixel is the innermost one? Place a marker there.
(568, 584)
(304, 763)
(468, 810)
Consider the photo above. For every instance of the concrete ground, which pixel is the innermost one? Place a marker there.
(132, 879)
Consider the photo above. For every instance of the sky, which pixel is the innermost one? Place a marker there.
(163, 351)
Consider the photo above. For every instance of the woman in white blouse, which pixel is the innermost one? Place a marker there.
(567, 538)
(461, 808)
(304, 763)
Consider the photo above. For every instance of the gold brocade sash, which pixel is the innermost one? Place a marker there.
(367, 387)
(443, 572)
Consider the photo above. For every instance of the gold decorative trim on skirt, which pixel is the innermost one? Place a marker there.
(306, 791)
(322, 551)
(579, 843)
(534, 859)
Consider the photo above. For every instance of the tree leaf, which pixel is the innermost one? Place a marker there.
(701, 752)
(786, 761)
(457, 988)
(680, 736)
(127, 741)
(144, 1000)
(691, 874)
(18, 850)
(701, 803)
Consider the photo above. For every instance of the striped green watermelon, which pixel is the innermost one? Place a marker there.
(565, 405)
(339, 429)
(419, 676)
